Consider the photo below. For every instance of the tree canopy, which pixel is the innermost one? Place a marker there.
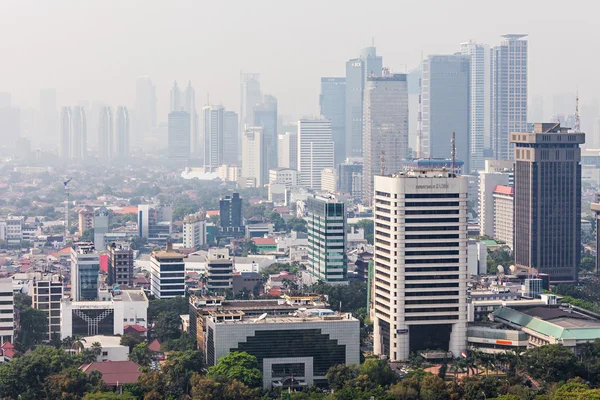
(240, 366)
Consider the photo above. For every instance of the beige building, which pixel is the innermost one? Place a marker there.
(504, 197)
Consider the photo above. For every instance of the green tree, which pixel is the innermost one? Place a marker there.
(183, 343)
(70, 384)
(551, 363)
(34, 328)
(141, 354)
(87, 235)
(21, 301)
(240, 366)
(339, 375)
(369, 228)
(130, 340)
(204, 388)
(587, 263)
(378, 371)
(178, 370)
(109, 396)
(433, 387)
(296, 224)
(179, 305)
(167, 326)
(502, 256)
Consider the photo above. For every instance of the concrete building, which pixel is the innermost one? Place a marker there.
(548, 200)
(219, 267)
(480, 119)
(154, 222)
(7, 311)
(167, 273)
(14, 229)
(101, 226)
(332, 104)
(509, 93)
(230, 137)
(112, 350)
(287, 150)
(86, 219)
(105, 134)
(107, 316)
(487, 185)
(120, 264)
(254, 156)
(231, 220)
(214, 135)
(279, 344)
(346, 174)
(315, 151)
(329, 180)
(283, 176)
(179, 137)
(122, 138)
(445, 104)
(78, 138)
(46, 294)
(385, 141)
(504, 197)
(420, 281)
(250, 96)
(194, 231)
(326, 223)
(265, 116)
(85, 269)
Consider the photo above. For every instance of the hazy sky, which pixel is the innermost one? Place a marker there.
(95, 50)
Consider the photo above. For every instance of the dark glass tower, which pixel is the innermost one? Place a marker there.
(230, 208)
(548, 200)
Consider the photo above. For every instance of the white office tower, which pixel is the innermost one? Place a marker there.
(64, 150)
(194, 231)
(481, 101)
(213, 135)
(78, 141)
(509, 93)
(105, 134)
(175, 98)
(487, 185)
(85, 269)
(315, 151)
(385, 137)
(122, 133)
(419, 287)
(7, 322)
(287, 150)
(46, 291)
(189, 104)
(254, 157)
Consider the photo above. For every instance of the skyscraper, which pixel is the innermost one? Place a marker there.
(265, 115)
(480, 125)
(78, 139)
(420, 281)
(213, 135)
(105, 134)
(145, 109)
(357, 71)
(326, 224)
(250, 96)
(287, 150)
(509, 93)
(547, 200)
(179, 137)
(445, 105)
(385, 128)
(332, 103)
(175, 98)
(48, 115)
(230, 138)
(85, 268)
(64, 150)
(189, 104)
(122, 133)
(230, 215)
(254, 157)
(315, 151)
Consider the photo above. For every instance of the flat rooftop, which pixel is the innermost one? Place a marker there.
(300, 318)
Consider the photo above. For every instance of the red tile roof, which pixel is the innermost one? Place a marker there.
(212, 213)
(126, 210)
(508, 190)
(136, 328)
(114, 372)
(154, 346)
(264, 241)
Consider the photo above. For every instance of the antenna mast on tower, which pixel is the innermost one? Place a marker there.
(577, 126)
(382, 162)
(453, 153)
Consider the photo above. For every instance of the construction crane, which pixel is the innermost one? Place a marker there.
(66, 187)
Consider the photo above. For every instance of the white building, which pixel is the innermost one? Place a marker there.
(254, 156)
(480, 98)
(105, 317)
(46, 293)
(487, 185)
(14, 229)
(121, 142)
(287, 150)
(213, 135)
(167, 274)
(112, 350)
(420, 258)
(194, 231)
(504, 197)
(85, 268)
(7, 311)
(315, 151)
(329, 180)
(283, 176)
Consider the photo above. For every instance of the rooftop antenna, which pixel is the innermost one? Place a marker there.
(577, 126)
(453, 152)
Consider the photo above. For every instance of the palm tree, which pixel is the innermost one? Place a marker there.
(67, 342)
(77, 343)
(96, 348)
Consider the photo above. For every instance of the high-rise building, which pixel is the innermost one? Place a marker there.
(420, 281)
(332, 102)
(230, 215)
(265, 115)
(480, 120)
(46, 292)
(78, 140)
(167, 273)
(120, 264)
(315, 151)
(504, 222)
(10, 125)
(347, 175)
(64, 149)
(287, 150)
(7, 308)
(445, 103)
(368, 64)
(179, 137)
(548, 200)
(101, 226)
(48, 115)
(175, 99)
(85, 269)
(250, 96)
(230, 137)
(194, 231)
(122, 133)
(254, 156)
(509, 93)
(188, 102)
(329, 180)
(385, 128)
(487, 184)
(214, 127)
(105, 134)
(154, 222)
(326, 224)
(219, 268)
(145, 109)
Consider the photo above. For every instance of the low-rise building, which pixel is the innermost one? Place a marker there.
(112, 350)
(219, 270)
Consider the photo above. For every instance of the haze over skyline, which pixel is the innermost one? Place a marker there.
(95, 51)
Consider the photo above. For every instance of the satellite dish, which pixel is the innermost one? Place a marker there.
(263, 316)
(512, 269)
(500, 269)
